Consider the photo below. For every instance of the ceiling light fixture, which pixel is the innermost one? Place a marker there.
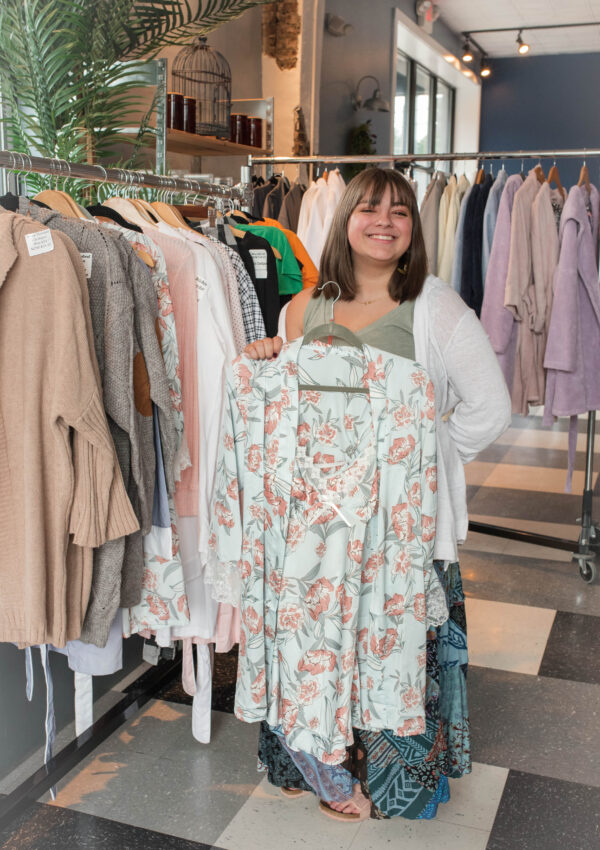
(523, 46)
(484, 69)
(467, 51)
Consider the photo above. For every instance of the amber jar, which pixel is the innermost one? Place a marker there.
(245, 140)
(175, 110)
(256, 131)
(236, 127)
(189, 114)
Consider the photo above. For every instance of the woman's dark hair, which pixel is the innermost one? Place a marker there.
(336, 261)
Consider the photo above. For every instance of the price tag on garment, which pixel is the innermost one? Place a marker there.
(39, 242)
(259, 258)
(87, 264)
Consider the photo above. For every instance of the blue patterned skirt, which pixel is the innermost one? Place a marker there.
(407, 777)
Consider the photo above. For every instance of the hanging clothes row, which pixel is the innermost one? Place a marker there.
(524, 255)
(161, 309)
(541, 306)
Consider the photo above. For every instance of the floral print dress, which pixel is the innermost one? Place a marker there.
(164, 601)
(331, 555)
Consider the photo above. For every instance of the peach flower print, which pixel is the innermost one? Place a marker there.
(258, 688)
(400, 448)
(290, 618)
(318, 597)
(382, 648)
(308, 692)
(317, 661)
(394, 606)
(403, 521)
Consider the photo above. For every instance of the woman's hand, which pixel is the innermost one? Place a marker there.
(264, 349)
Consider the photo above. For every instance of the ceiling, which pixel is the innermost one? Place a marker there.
(465, 15)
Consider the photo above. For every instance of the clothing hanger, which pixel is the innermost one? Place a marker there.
(480, 176)
(584, 177)
(539, 173)
(170, 215)
(108, 213)
(554, 175)
(330, 330)
(128, 211)
(58, 201)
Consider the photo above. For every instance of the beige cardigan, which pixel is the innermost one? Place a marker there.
(61, 489)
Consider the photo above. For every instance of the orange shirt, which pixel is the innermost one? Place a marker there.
(310, 274)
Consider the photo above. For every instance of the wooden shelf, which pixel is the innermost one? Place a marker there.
(194, 144)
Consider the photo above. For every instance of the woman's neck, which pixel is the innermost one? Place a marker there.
(372, 279)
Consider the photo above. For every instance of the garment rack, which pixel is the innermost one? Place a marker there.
(25, 164)
(588, 545)
(138, 694)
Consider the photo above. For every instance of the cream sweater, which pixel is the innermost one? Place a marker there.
(59, 476)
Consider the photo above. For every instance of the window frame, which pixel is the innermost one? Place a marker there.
(413, 64)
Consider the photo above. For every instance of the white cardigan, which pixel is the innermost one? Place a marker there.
(471, 399)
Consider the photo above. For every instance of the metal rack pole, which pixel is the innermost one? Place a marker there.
(15, 161)
(429, 157)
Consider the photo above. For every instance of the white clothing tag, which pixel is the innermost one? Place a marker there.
(39, 242)
(259, 258)
(87, 263)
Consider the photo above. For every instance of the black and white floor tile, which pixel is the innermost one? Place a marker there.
(534, 696)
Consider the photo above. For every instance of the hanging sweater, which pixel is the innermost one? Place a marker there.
(58, 468)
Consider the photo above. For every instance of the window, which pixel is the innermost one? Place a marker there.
(423, 116)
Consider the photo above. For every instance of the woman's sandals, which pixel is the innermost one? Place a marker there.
(360, 802)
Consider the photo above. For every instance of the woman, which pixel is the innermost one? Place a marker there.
(375, 251)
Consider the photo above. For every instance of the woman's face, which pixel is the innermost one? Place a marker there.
(380, 233)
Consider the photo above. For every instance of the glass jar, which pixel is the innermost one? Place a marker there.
(256, 131)
(175, 110)
(189, 114)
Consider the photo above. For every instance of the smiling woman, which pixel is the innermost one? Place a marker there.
(376, 254)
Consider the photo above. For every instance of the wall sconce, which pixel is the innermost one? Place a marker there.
(337, 26)
(375, 103)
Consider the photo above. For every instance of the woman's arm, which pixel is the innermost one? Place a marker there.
(483, 411)
(269, 347)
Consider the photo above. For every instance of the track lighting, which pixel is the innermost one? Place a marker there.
(523, 46)
(467, 51)
(484, 69)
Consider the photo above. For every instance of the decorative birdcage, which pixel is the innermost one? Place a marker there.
(204, 74)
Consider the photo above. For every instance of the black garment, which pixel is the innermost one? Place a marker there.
(10, 202)
(259, 195)
(267, 285)
(275, 198)
(471, 283)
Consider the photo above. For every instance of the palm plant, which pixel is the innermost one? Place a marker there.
(70, 69)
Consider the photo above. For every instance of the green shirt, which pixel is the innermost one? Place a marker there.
(289, 273)
(392, 332)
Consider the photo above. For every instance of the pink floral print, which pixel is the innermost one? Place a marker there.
(334, 546)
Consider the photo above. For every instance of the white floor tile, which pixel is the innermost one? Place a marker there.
(506, 636)
(475, 798)
(269, 821)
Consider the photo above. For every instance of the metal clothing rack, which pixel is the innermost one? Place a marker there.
(17, 801)
(25, 164)
(588, 546)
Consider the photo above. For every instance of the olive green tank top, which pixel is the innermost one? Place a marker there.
(392, 332)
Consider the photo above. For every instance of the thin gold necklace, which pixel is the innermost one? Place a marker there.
(372, 300)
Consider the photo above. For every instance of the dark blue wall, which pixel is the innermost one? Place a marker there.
(543, 102)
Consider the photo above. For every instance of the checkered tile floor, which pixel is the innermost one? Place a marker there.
(534, 696)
